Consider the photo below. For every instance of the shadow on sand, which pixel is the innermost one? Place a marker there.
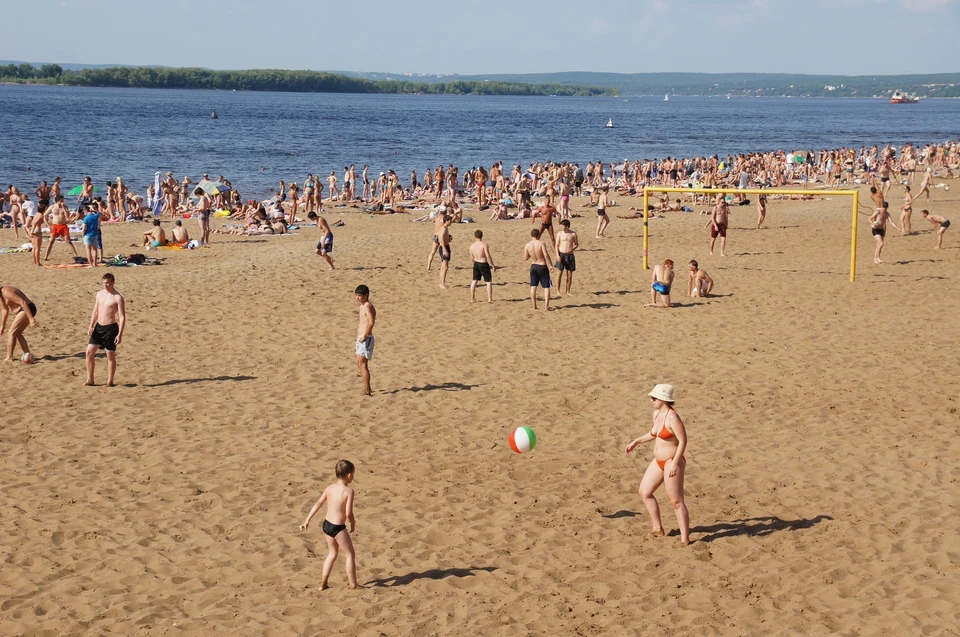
(435, 574)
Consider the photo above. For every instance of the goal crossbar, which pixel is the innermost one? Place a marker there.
(854, 194)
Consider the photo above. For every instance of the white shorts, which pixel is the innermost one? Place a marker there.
(365, 348)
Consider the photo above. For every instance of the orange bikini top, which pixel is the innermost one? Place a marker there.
(664, 434)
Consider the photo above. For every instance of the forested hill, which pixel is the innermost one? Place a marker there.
(767, 84)
(276, 80)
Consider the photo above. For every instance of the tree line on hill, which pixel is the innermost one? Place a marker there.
(277, 80)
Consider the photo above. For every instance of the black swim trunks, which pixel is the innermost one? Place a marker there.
(482, 271)
(539, 275)
(105, 336)
(878, 232)
(444, 253)
(944, 224)
(333, 530)
(601, 212)
(568, 262)
(33, 308)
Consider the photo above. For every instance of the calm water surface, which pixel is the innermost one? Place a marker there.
(260, 138)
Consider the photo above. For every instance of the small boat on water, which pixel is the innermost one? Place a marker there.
(899, 97)
(666, 98)
(610, 123)
(214, 115)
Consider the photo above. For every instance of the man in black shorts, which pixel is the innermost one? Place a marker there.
(106, 328)
(536, 251)
(567, 243)
(482, 266)
(26, 313)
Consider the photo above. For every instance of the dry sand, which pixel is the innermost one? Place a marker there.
(822, 416)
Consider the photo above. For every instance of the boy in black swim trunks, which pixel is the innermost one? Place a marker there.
(339, 500)
(106, 328)
(325, 245)
(25, 314)
(940, 223)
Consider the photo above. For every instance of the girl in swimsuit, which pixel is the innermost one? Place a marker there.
(670, 438)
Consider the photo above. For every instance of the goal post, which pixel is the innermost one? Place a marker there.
(853, 194)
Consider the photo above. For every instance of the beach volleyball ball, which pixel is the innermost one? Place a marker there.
(27, 358)
(946, 188)
(523, 439)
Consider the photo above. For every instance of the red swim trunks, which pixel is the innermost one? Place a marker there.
(718, 230)
(59, 230)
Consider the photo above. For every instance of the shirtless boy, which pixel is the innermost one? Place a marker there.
(699, 284)
(545, 213)
(536, 251)
(662, 280)
(482, 266)
(602, 219)
(325, 245)
(443, 242)
(57, 218)
(365, 340)
(878, 223)
(718, 225)
(566, 244)
(940, 223)
(439, 222)
(156, 236)
(106, 328)
(26, 313)
(180, 234)
(339, 500)
(203, 213)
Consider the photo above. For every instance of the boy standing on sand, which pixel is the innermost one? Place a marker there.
(339, 500)
(365, 340)
(567, 243)
(57, 218)
(536, 251)
(718, 225)
(325, 245)
(482, 265)
(106, 328)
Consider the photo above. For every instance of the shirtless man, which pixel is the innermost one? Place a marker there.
(325, 245)
(878, 223)
(26, 313)
(438, 225)
(155, 236)
(43, 193)
(718, 225)
(365, 340)
(482, 266)
(443, 243)
(57, 217)
(940, 223)
(602, 219)
(545, 213)
(180, 234)
(925, 184)
(536, 251)
(106, 328)
(566, 244)
(662, 280)
(332, 181)
(699, 283)
(203, 214)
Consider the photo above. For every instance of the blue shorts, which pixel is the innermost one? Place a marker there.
(365, 348)
(90, 240)
(662, 288)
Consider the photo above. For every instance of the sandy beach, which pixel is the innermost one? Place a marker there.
(822, 421)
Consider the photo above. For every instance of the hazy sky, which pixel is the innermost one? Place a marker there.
(849, 37)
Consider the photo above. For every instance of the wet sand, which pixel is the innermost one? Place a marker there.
(822, 418)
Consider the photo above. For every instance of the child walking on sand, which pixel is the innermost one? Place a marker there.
(339, 500)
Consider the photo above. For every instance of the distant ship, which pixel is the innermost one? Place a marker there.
(900, 97)
(610, 123)
(666, 98)
(214, 115)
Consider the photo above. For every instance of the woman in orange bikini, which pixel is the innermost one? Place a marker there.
(668, 464)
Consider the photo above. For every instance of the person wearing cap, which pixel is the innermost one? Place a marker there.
(667, 467)
(662, 280)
